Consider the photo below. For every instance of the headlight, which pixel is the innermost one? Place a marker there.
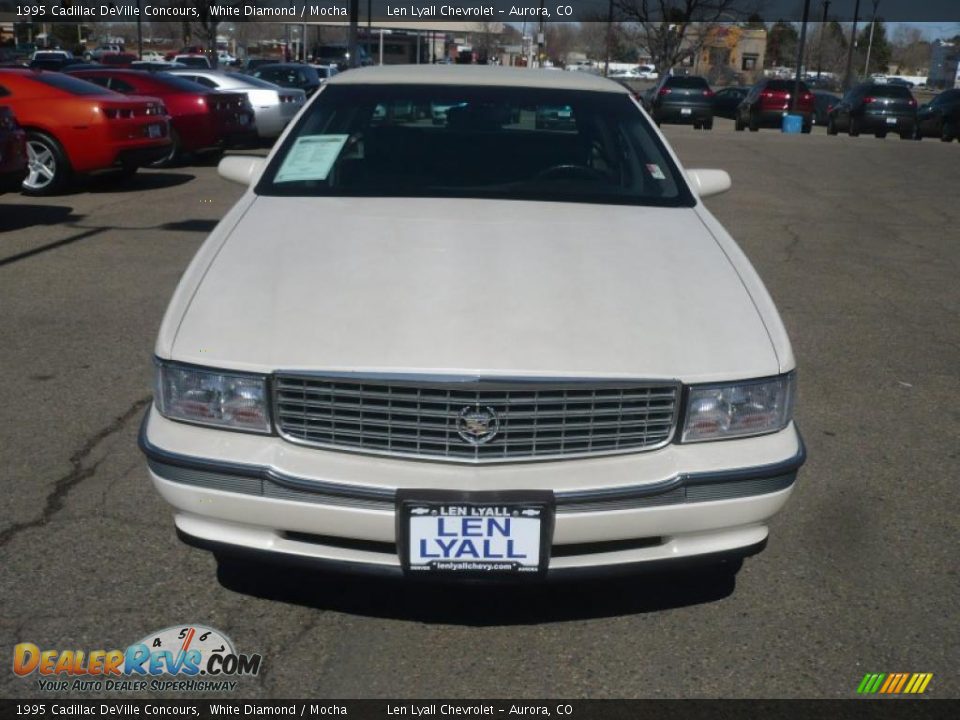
(211, 397)
(751, 407)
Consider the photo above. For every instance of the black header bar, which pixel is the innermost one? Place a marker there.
(460, 11)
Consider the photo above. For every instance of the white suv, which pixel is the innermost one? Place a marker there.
(473, 348)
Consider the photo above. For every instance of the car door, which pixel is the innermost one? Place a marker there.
(841, 113)
(743, 110)
(927, 116)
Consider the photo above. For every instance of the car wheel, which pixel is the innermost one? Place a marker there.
(175, 154)
(47, 166)
(880, 134)
(806, 129)
(831, 127)
(738, 124)
(708, 125)
(854, 129)
(754, 124)
(947, 132)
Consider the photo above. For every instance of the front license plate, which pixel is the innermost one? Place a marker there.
(891, 121)
(471, 534)
(154, 131)
(685, 111)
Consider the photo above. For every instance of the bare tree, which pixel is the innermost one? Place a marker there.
(673, 30)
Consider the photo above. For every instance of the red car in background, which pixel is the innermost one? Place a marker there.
(13, 150)
(76, 127)
(769, 100)
(201, 119)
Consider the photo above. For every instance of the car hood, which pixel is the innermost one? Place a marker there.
(474, 287)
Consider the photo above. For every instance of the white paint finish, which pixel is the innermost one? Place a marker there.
(476, 75)
(475, 286)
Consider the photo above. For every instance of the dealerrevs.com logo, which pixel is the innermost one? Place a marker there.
(182, 658)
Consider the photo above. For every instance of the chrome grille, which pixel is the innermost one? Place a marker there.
(425, 418)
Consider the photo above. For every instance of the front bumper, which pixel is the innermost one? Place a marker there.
(261, 495)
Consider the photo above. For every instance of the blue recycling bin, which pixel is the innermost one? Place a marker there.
(792, 124)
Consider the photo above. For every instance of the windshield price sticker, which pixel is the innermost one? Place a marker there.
(311, 158)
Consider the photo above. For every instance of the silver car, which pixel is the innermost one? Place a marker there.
(273, 105)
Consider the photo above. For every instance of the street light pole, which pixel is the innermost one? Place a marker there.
(139, 33)
(606, 65)
(823, 30)
(853, 39)
(873, 25)
(800, 53)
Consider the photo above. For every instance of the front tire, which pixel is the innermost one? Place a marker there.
(880, 135)
(947, 132)
(754, 124)
(854, 130)
(738, 124)
(48, 166)
(708, 125)
(831, 127)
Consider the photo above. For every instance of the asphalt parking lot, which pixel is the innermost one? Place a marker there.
(856, 239)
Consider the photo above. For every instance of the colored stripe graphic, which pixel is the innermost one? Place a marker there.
(894, 683)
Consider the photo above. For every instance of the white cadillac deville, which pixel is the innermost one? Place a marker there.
(510, 344)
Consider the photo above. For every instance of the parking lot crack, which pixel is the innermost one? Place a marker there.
(78, 473)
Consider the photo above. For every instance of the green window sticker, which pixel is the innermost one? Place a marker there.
(311, 158)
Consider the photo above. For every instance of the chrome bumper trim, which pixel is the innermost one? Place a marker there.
(265, 482)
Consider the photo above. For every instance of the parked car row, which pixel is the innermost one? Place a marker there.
(73, 126)
(95, 119)
(872, 107)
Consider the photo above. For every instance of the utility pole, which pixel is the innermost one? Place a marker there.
(873, 25)
(354, 22)
(606, 65)
(823, 31)
(541, 37)
(803, 40)
(139, 33)
(853, 40)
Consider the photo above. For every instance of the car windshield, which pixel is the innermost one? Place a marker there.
(475, 142)
(687, 82)
(889, 91)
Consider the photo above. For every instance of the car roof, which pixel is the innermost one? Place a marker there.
(475, 75)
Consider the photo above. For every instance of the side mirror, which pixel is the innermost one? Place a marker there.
(243, 169)
(709, 182)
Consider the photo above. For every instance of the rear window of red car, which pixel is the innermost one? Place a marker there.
(72, 85)
(784, 86)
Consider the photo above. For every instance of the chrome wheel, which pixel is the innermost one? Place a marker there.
(41, 165)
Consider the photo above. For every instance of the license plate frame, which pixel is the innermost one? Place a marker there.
(686, 111)
(891, 121)
(411, 504)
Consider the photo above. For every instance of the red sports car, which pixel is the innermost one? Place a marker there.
(13, 151)
(77, 127)
(201, 118)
